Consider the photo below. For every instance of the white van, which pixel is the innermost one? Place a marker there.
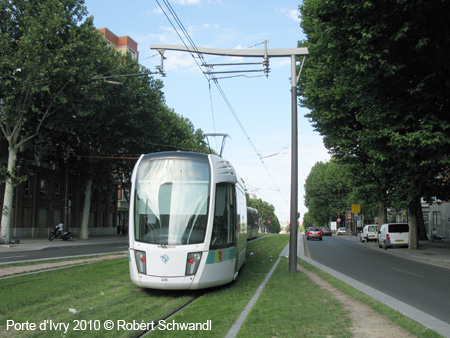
(369, 233)
(393, 234)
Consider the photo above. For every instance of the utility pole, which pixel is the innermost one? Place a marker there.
(265, 53)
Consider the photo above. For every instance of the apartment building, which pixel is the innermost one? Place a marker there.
(123, 44)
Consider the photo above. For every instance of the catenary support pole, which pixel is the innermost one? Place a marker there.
(294, 172)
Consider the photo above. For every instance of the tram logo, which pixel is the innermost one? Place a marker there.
(165, 258)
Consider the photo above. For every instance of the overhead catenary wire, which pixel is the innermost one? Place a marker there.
(212, 110)
(208, 73)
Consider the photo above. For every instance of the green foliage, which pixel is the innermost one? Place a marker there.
(330, 188)
(266, 214)
(325, 190)
(308, 220)
(50, 58)
(45, 58)
(376, 84)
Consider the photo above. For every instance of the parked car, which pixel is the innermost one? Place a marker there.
(327, 231)
(369, 233)
(341, 231)
(314, 232)
(393, 234)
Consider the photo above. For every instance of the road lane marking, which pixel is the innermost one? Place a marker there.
(11, 257)
(414, 274)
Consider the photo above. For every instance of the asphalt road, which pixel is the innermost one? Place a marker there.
(423, 286)
(61, 252)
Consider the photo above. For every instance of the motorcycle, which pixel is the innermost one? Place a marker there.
(56, 233)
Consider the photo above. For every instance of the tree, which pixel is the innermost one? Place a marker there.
(377, 92)
(118, 119)
(308, 221)
(266, 215)
(329, 188)
(46, 57)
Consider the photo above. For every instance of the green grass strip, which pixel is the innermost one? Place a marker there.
(98, 292)
(291, 306)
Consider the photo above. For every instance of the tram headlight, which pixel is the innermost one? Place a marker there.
(192, 263)
(141, 261)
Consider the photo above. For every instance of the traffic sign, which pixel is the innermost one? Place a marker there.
(356, 208)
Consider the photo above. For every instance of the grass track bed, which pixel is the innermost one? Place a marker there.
(103, 291)
(289, 306)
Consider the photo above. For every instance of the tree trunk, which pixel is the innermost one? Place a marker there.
(413, 226)
(420, 222)
(382, 214)
(415, 217)
(84, 233)
(7, 209)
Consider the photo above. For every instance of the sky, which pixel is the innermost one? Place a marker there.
(259, 121)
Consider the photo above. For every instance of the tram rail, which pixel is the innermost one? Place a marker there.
(165, 318)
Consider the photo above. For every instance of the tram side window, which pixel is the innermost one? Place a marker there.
(223, 232)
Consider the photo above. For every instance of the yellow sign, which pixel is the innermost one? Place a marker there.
(356, 208)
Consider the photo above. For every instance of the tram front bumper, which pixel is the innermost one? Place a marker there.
(162, 283)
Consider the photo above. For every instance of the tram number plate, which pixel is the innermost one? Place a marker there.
(164, 280)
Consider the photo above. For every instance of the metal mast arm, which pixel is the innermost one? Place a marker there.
(277, 52)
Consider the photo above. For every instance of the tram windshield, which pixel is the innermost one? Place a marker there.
(171, 201)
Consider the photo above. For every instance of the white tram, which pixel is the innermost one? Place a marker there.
(188, 221)
(252, 223)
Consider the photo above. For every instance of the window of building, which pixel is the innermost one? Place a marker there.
(437, 218)
(28, 189)
(132, 52)
(58, 190)
(43, 189)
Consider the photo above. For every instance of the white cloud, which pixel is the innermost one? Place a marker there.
(157, 10)
(187, 2)
(180, 61)
(292, 14)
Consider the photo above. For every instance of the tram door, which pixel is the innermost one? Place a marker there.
(224, 227)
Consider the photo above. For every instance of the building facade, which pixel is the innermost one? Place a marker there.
(123, 44)
(50, 196)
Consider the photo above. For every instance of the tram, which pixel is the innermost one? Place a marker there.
(188, 221)
(252, 223)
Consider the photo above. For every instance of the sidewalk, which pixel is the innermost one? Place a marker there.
(30, 244)
(437, 253)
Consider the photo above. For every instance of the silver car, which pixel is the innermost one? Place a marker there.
(341, 231)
